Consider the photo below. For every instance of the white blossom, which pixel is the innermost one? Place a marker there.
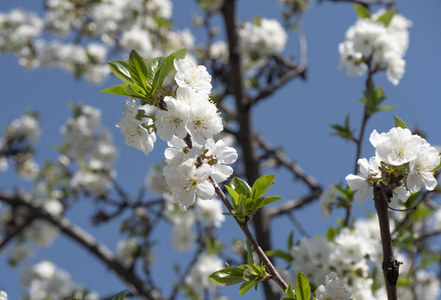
(327, 198)
(3, 295)
(136, 133)
(211, 211)
(218, 155)
(203, 121)
(359, 183)
(205, 265)
(333, 289)
(172, 121)
(195, 77)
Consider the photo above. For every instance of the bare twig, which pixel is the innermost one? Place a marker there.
(290, 164)
(290, 205)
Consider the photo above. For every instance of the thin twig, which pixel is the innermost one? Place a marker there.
(272, 270)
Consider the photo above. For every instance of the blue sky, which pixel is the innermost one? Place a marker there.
(297, 117)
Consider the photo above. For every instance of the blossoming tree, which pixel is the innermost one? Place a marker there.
(216, 169)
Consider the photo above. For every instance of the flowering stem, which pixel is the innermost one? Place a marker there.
(272, 270)
(390, 264)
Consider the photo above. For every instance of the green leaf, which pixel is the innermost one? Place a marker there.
(303, 291)
(261, 186)
(331, 234)
(386, 18)
(135, 91)
(422, 212)
(429, 259)
(290, 240)
(279, 253)
(152, 68)
(250, 253)
(241, 187)
(290, 292)
(265, 200)
(120, 296)
(344, 130)
(387, 107)
(121, 69)
(245, 287)
(166, 68)
(138, 69)
(362, 11)
(117, 90)
(399, 122)
(227, 276)
(234, 196)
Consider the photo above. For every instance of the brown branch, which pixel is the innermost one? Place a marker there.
(290, 164)
(390, 264)
(134, 283)
(17, 230)
(293, 204)
(272, 270)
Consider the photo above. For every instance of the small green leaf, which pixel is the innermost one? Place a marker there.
(344, 130)
(166, 68)
(135, 91)
(362, 11)
(265, 200)
(290, 240)
(234, 196)
(241, 187)
(290, 292)
(152, 68)
(120, 296)
(121, 69)
(399, 122)
(331, 234)
(245, 287)
(303, 290)
(387, 107)
(279, 253)
(386, 18)
(228, 276)
(261, 186)
(117, 90)
(138, 69)
(250, 253)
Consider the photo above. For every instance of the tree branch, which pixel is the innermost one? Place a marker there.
(272, 270)
(390, 264)
(134, 283)
(290, 205)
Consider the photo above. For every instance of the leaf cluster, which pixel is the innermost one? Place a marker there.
(247, 200)
(143, 79)
(249, 275)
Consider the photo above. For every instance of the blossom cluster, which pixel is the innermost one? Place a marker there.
(376, 42)
(17, 145)
(91, 146)
(188, 121)
(332, 289)
(100, 28)
(46, 281)
(258, 41)
(402, 161)
(3, 295)
(356, 255)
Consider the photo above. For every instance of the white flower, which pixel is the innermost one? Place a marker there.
(332, 290)
(396, 147)
(135, 132)
(3, 295)
(173, 120)
(218, 155)
(364, 35)
(203, 121)
(421, 169)
(351, 59)
(126, 250)
(399, 193)
(189, 182)
(359, 183)
(198, 278)
(188, 75)
(395, 67)
(211, 211)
